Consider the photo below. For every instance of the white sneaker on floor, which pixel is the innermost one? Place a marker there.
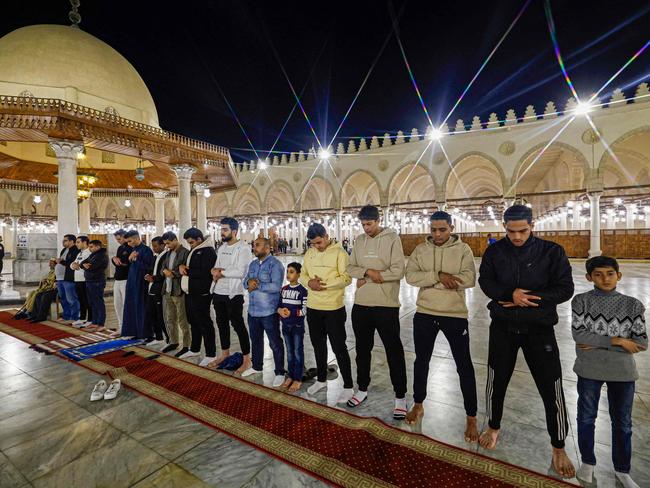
(316, 387)
(113, 390)
(250, 372)
(78, 323)
(345, 395)
(401, 409)
(189, 354)
(98, 391)
(155, 343)
(206, 360)
(585, 473)
(278, 380)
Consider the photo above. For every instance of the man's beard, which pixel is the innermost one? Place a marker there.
(226, 238)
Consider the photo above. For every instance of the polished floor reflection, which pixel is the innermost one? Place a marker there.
(51, 435)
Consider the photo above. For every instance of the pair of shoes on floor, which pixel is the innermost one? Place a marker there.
(104, 391)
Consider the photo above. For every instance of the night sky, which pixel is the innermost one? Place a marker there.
(193, 53)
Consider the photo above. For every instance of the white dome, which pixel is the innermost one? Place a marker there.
(57, 61)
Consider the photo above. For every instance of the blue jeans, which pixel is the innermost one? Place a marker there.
(293, 339)
(95, 292)
(621, 396)
(69, 300)
(271, 325)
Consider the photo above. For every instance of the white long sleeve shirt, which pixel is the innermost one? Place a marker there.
(79, 273)
(234, 260)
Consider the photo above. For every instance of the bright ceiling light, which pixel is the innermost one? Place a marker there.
(127, 203)
(618, 201)
(37, 199)
(583, 108)
(206, 193)
(324, 153)
(262, 164)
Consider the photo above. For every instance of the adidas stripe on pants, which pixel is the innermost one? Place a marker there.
(543, 359)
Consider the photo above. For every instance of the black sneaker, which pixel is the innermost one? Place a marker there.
(181, 352)
(169, 348)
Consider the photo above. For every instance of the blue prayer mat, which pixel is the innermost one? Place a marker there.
(92, 350)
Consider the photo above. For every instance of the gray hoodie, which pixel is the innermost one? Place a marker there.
(382, 253)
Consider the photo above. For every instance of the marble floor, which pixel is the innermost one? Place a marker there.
(51, 435)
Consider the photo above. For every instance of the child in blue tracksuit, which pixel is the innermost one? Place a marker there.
(291, 309)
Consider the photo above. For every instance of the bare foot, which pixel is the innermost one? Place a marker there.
(415, 414)
(488, 439)
(471, 430)
(245, 365)
(562, 464)
(222, 357)
(286, 384)
(295, 386)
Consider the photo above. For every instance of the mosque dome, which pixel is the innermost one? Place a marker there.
(58, 61)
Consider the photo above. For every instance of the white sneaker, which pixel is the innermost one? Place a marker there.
(278, 380)
(585, 473)
(78, 323)
(155, 343)
(250, 372)
(626, 480)
(189, 354)
(206, 360)
(345, 395)
(98, 391)
(113, 390)
(316, 387)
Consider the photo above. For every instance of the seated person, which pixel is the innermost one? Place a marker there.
(37, 304)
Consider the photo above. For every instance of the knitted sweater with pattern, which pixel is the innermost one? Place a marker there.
(597, 317)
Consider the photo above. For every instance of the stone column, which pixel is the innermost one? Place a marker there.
(630, 215)
(159, 202)
(67, 211)
(184, 174)
(386, 220)
(84, 216)
(201, 206)
(339, 224)
(265, 223)
(575, 222)
(301, 234)
(594, 236)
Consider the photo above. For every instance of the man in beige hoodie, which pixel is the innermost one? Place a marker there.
(377, 262)
(443, 267)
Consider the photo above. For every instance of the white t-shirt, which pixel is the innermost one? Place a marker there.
(234, 260)
(79, 273)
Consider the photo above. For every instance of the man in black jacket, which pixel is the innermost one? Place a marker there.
(156, 280)
(65, 279)
(196, 283)
(94, 267)
(526, 278)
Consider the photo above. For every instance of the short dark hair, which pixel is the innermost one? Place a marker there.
(83, 239)
(601, 262)
(489, 234)
(132, 233)
(296, 266)
(158, 239)
(119, 232)
(169, 236)
(96, 242)
(70, 237)
(230, 222)
(193, 233)
(440, 215)
(368, 212)
(316, 230)
(518, 212)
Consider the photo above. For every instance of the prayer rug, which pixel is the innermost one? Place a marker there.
(35, 333)
(331, 444)
(72, 341)
(98, 348)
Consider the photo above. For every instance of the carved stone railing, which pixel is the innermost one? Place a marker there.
(49, 114)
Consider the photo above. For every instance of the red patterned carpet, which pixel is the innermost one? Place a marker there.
(331, 444)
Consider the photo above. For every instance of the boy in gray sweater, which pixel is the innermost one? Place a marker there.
(609, 328)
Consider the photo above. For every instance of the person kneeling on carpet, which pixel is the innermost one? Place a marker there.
(292, 310)
(94, 267)
(38, 301)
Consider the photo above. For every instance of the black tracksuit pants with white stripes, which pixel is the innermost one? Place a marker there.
(543, 359)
